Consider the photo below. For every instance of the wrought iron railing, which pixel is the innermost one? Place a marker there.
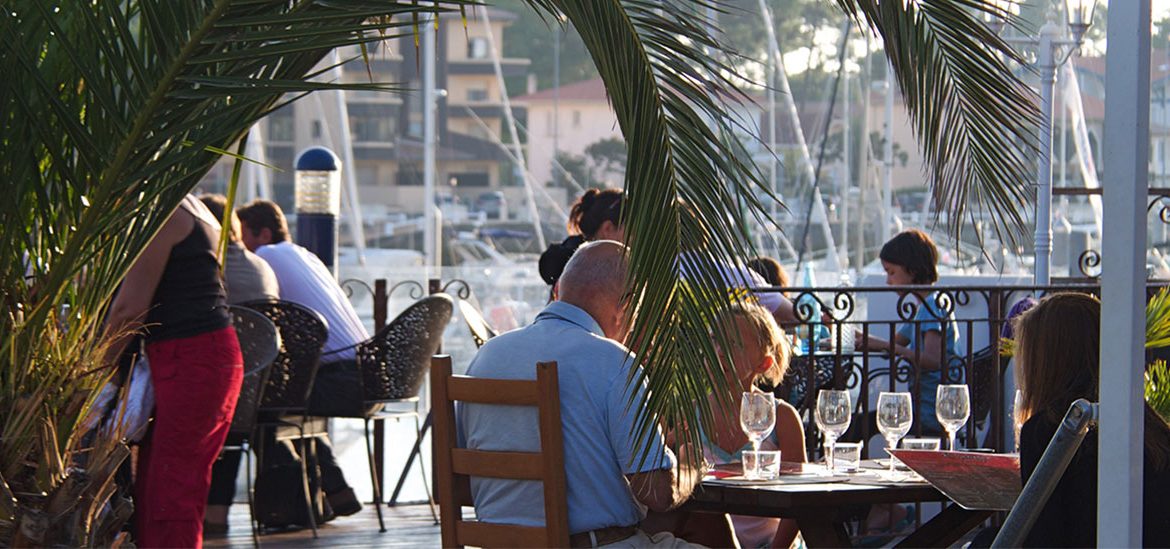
(977, 314)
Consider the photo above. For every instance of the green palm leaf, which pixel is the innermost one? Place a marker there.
(684, 184)
(109, 113)
(975, 121)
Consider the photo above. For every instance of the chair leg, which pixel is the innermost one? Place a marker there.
(305, 442)
(422, 470)
(246, 448)
(374, 476)
(260, 448)
(414, 452)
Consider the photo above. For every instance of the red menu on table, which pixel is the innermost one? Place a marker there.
(974, 480)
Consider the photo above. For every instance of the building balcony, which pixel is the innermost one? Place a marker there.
(509, 66)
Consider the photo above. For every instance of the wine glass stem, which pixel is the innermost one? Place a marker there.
(892, 443)
(951, 437)
(831, 443)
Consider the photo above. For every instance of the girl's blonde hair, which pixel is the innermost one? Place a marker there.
(755, 322)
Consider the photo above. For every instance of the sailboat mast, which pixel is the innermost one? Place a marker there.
(430, 241)
(846, 172)
(345, 144)
(519, 153)
(785, 90)
(888, 158)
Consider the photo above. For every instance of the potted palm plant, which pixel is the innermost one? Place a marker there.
(112, 111)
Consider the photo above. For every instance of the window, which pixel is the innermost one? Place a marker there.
(477, 94)
(471, 179)
(372, 129)
(411, 176)
(550, 126)
(576, 119)
(280, 126)
(315, 129)
(414, 108)
(477, 48)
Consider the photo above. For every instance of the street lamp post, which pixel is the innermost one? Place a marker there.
(318, 201)
(1049, 43)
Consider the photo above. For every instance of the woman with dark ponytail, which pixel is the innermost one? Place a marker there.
(595, 216)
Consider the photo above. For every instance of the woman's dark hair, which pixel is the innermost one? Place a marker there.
(594, 208)
(1058, 343)
(914, 251)
(554, 259)
(771, 270)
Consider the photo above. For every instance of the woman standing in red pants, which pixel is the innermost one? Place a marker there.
(174, 295)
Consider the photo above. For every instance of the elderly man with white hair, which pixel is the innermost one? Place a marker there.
(607, 480)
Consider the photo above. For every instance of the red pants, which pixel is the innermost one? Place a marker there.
(196, 383)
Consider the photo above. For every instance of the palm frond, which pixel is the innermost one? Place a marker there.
(684, 184)
(975, 120)
(111, 112)
(1158, 320)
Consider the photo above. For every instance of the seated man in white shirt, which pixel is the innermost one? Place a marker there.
(607, 481)
(305, 280)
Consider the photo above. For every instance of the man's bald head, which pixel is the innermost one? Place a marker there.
(595, 280)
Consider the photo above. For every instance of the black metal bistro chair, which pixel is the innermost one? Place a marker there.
(290, 379)
(394, 364)
(481, 331)
(259, 343)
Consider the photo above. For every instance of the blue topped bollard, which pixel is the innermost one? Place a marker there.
(318, 203)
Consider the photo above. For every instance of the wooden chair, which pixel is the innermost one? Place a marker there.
(455, 466)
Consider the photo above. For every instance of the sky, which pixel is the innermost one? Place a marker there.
(796, 60)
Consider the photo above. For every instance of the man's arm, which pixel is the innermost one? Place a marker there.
(664, 489)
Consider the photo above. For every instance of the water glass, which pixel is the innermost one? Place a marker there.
(847, 456)
(895, 414)
(953, 407)
(921, 443)
(833, 414)
(761, 464)
(843, 338)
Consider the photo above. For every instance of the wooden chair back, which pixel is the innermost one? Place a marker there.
(455, 466)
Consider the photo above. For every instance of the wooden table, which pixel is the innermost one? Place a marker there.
(820, 509)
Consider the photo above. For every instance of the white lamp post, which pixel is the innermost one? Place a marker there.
(1051, 51)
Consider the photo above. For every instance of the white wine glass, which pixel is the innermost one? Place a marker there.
(895, 414)
(757, 418)
(952, 405)
(833, 414)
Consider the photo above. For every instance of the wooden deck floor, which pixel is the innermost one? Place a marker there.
(406, 526)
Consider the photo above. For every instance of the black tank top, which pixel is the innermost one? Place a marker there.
(190, 298)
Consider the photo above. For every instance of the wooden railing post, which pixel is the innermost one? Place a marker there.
(381, 306)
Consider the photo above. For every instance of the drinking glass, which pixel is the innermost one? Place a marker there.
(895, 413)
(833, 413)
(757, 417)
(842, 338)
(953, 407)
(1017, 416)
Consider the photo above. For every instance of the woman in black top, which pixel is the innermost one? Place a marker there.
(174, 295)
(1057, 350)
(597, 215)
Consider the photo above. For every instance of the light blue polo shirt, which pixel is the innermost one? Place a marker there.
(598, 424)
(930, 318)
